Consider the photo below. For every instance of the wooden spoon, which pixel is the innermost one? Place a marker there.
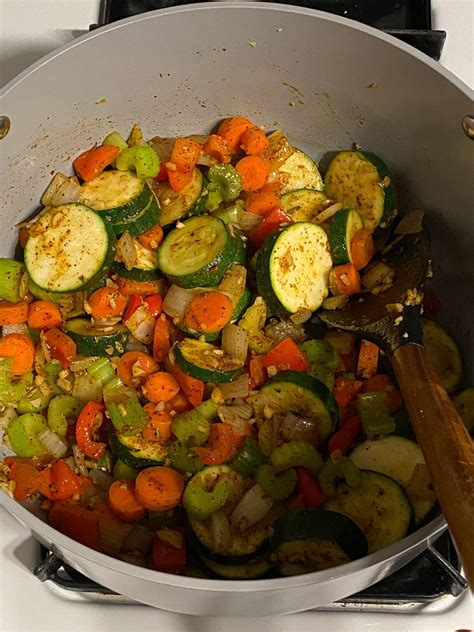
(392, 320)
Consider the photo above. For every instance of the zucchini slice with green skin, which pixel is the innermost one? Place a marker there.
(303, 205)
(443, 354)
(315, 539)
(379, 507)
(198, 253)
(294, 391)
(243, 549)
(254, 569)
(397, 458)
(464, 402)
(293, 268)
(362, 181)
(299, 172)
(178, 205)
(138, 452)
(200, 360)
(70, 248)
(95, 341)
(141, 222)
(343, 228)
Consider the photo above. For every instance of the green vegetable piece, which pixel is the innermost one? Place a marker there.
(373, 411)
(34, 401)
(101, 370)
(129, 418)
(200, 502)
(321, 352)
(124, 472)
(52, 370)
(253, 322)
(61, 410)
(403, 426)
(295, 453)
(191, 426)
(183, 460)
(116, 140)
(143, 160)
(23, 434)
(248, 458)
(115, 392)
(12, 392)
(231, 214)
(334, 472)
(323, 374)
(11, 275)
(207, 409)
(277, 486)
(224, 185)
(105, 463)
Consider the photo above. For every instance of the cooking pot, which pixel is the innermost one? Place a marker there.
(328, 82)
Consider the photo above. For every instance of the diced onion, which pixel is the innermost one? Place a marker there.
(7, 415)
(53, 443)
(238, 388)
(125, 250)
(45, 348)
(176, 301)
(87, 388)
(163, 147)
(327, 213)
(221, 533)
(296, 428)
(280, 330)
(100, 478)
(21, 328)
(235, 342)
(301, 316)
(134, 345)
(247, 221)
(142, 325)
(251, 508)
(106, 322)
(61, 190)
(79, 460)
(82, 363)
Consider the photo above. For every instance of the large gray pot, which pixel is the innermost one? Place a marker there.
(328, 82)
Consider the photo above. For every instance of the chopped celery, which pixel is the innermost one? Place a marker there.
(116, 140)
(101, 370)
(277, 486)
(115, 392)
(335, 470)
(124, 472)
(200, 503)
(62, 409)
(12, 392)
(373, 411)
(231, 214)
(224, 185)
(321, 352)
(52, 370)
(248, 458)
(23, 434)
(143, 160)
(295, 453)
(128, 418)
(34, 402)
(11, 277)
(207, 409)
(191, 425)
(183, 460)
(323, 374)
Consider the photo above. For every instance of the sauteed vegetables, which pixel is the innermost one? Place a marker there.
(167, 393)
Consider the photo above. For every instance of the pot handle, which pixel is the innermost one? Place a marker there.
(446, 445)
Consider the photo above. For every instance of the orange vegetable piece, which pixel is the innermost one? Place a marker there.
(92, 162)
(44, 315)
(160, 387)
(122, 502)
(161, 339)
(178, 180)
(167, 558)
(192, 387)
(254, 141)
(87, 424)
(217, 147)
(134, 366)
(127, 287)
(161, 422)
(258, 371)
(77, 522)
(152, 238)
(253, 171)
(232, 129)
(23, 236)
(345, 279)
(65, 482)
(368, 359)
(208, 312)
(286, 356)
(106, 302)
(13, 313)
(21, 350)
(219, 446)
(179, 403)
(264, 200)
(362, 248)
(185, 154)
(61, 347)
(159, 488)
(29, 479)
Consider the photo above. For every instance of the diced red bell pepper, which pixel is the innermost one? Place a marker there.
(162, 173)
(86, 425)
(133, 304)
(309, 489)
(161, 339)
(166, 557)
(272, 221)
(153, 304)
(345, 390)
(286, 356)
(65, 482)
(343, 438)
(29, 479)
(192, 387)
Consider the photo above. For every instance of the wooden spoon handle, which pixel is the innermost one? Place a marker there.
(446, 445)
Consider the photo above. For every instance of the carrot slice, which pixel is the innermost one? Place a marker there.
(185, 154)
(21, 350)
(178, 180)
(159, 488)
(345, 279)
(44, 315)
(127, 287)
(160, 387)
(254, 141)
(133, 366)
(217, 147)
(368, 359)
(106, 302)
(264, 200)
(13, 313)
(92, 162)
(122, 502)
(61, 347)
(232, 129)
(362, 248)
(253, 171)
(208, 312)
(152, 238)
(161, 339)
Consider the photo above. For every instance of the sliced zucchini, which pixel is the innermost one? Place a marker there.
(315, 539)
(240, 253)
(294, 391)
(244, 546)
(136, 451)
(141, 222)
(178, 205)
(198, 253)
(293, 268)
(464, 402)
(97, 341)
(360, 180)
(299, 172)
(70, 248)
(378, 506)
(303, 204)
(396, 457)
(206, 362)
(443, 354)
(343, 228)
(253, 569)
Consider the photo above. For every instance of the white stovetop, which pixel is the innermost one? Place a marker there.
(28, 30)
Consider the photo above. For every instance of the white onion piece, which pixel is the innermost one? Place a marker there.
(142, 325)
(221, 533)
(283, 329)
(45, 348)
(61, 190)
(327, 213)
(21, 328)
(106, 322)
(238, 388)
(252, 507)
(79, 461)
(163, 147)
(87, 388)
(53, 443)
(296, 428)
(235, 342)
(82, 363)
(134, 345)
(237, 416)
(7, 415)
(100, 478)
(176, 301)
(247, 221)
(301, 316)
(125, 250)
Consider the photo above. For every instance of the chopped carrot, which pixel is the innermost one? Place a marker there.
(272, 221)
(286, 356)
(44, 315)
(61, 347)
(159, 488)
(122, 502)
(106, 302)
(345, 390)
(219, 446)
(152, 238)
(179, 403)
(208, 312)
(13, 313)
(134, 366)
(77, 522)
(161, 339)
(192, 388)
(368, 359)
(258, 371)
(23, 236)
(21, 350)
(178, 180)
(29, 479)
(362, 248)
(217, 147)
(127, 287)
(264, 200)
(232, 129)
(92, 162)
(345, 279)
(160, 387)
(253, 171)
(254, 141)
(185, 154)
(161, 422)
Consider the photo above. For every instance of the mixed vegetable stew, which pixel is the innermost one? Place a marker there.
(168, 396)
